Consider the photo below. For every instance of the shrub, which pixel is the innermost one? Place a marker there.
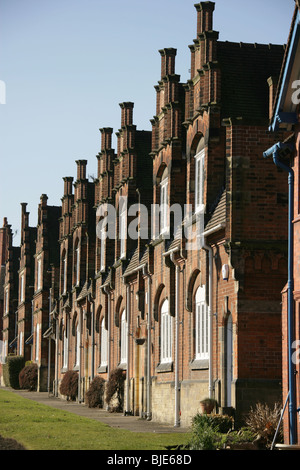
(205, 435)
(263, 421)
(95, 393)
(115, 389)
(69, 385)
(11, 370)
(28, 377)
(222, 423)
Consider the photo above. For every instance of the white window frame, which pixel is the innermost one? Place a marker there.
(103, 344)
(166, 328)
(77, 344)
(102, 248)
(164, 206)
(123, 231)
(199, 180)
(22, 287)
(123, 334)
(65, 348)
(6, 307)
(77, 264)
(39, 273)
(37, 340)
(201, 324)
(65, 274)
(21, 337)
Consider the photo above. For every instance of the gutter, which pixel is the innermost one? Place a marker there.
(276, 151)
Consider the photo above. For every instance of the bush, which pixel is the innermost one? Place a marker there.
(263, 421)
(95, 393)
(69, 385)
(28, 377)
(222, 423)
(115, 389)
(11, 370)
(205, 436)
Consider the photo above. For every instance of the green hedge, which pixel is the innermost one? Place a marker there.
(11, 369)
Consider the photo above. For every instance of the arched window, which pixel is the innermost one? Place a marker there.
(77, 344)
(77, 263)
(64, 272)
(123, 333)
(103, 344)
(201, 324)
(65, 347)
(166, 333)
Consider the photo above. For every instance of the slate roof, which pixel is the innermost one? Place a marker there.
(219, 214)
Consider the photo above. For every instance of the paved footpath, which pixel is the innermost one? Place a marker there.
(116, 420)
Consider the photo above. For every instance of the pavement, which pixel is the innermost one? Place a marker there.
(115, 420)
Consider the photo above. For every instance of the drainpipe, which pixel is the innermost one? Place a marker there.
(56, 354)
(148, 412)
(275, 153)
(177, 385)
(208, 248)
(171, 253)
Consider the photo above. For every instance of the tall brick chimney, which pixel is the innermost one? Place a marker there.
(126, 113)
(167, 61)
(68, 188)
(81, 169)
(106, 133)
(205, 16)
(4, 231)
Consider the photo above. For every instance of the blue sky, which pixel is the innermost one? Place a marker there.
(67, 64)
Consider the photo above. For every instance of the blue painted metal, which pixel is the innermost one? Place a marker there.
(287, 72)
(275, 153)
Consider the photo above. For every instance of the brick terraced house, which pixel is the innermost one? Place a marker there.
(184, 293)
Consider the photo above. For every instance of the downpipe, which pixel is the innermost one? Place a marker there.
(276, 151)
(149, 326)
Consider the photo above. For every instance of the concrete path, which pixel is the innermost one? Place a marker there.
(116, 420)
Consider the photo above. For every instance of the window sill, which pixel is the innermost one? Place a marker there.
(199, 364)
(102, 369)
(123, 366)
(164, 367)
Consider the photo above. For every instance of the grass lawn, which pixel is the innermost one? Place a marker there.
(40, 427)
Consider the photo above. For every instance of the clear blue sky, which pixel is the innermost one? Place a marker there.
(67, 64)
